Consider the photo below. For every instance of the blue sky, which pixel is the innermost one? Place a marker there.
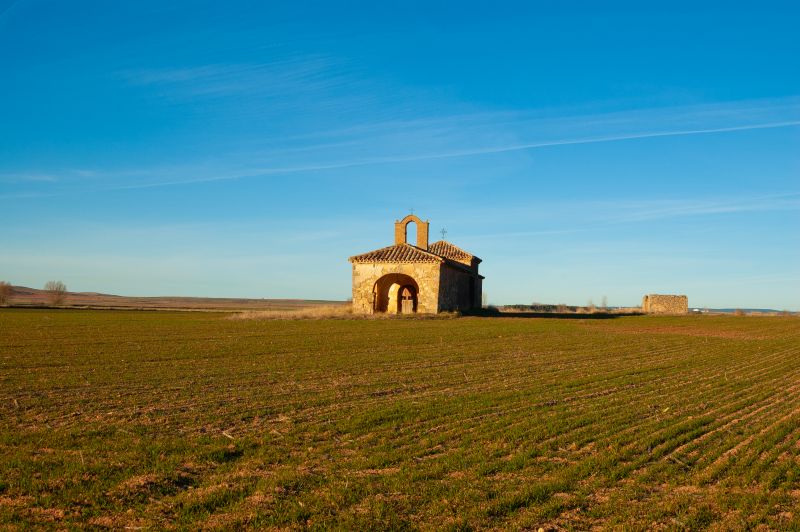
(247, 149)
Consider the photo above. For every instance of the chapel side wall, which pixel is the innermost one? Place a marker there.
(446, 290)
(426, 275)
(454, 290)
(478, 301)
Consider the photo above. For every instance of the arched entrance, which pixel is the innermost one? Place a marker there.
(395, 293)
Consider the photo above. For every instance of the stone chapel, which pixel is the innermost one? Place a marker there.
(405, 278)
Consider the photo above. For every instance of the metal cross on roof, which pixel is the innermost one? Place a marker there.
(443, 232)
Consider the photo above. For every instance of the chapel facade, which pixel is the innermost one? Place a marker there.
(405, 278)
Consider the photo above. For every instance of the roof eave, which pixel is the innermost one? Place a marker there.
(430, 257)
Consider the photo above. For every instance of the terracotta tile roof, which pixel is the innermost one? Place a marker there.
(397, 253)
(449, 251)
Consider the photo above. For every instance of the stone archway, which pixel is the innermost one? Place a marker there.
(389, 291)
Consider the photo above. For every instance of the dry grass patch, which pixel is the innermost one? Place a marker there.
(332, 312)
(320, 312)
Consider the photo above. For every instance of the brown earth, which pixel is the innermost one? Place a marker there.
(22, 296)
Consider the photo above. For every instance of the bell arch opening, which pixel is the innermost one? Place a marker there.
(411, 232)
(395, 293)
(420, 234)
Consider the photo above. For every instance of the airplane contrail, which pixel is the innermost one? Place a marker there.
(467, 153)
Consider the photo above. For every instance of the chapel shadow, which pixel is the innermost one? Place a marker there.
(598, 315)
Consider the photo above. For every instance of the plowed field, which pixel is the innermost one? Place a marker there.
(174, 419)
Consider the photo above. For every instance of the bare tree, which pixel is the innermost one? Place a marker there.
(604, 303)
(5, 292)
(56, 292)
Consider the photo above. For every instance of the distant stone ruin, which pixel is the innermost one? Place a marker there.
(665, 304)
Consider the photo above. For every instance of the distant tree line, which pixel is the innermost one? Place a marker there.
(55, 292)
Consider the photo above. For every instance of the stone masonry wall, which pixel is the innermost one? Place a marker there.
(454, 290)
(426, 275)
(665, 304)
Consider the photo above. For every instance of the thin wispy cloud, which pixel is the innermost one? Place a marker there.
(581, 216)
(662, 209)
(27, 178)
(436, 138)
(467, 152)
(561, 119)
(5, 11)
(277, 78)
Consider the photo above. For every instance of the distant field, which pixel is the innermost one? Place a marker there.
(160, 419)
(24, 296)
